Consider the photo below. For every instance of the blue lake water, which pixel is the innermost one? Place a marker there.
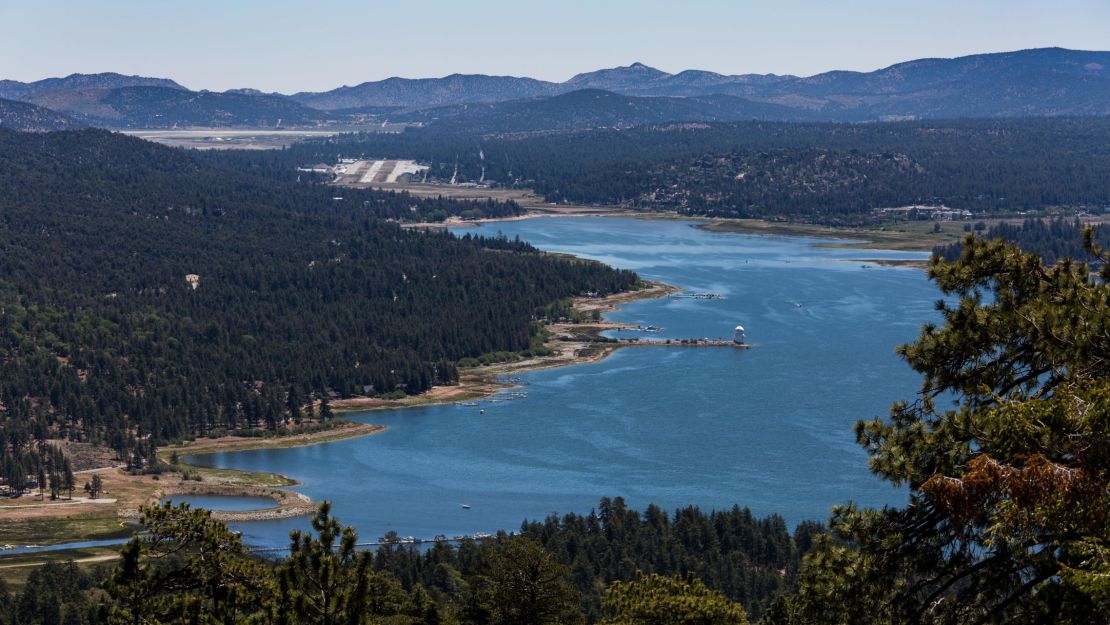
(769, 428)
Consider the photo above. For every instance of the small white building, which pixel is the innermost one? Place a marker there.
(738, 336)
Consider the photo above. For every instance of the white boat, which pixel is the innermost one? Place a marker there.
(464, 506)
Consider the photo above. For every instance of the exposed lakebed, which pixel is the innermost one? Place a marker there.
(769, 428)
(225, 503)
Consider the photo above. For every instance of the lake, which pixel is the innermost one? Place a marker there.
(769, 428)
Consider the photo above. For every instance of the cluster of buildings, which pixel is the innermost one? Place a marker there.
(923, 212)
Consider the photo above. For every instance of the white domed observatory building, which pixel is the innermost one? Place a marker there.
(738, 336)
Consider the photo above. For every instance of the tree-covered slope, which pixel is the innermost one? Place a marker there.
(1052, 240)
(26, 117)
(827, 173)
(592, 108)
(297, 295)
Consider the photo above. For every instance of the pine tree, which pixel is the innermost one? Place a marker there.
(69, 481)
(1009, 514)
(293, 403)
(662, 600)
(325, 580)
(530, 587)
(188, 568)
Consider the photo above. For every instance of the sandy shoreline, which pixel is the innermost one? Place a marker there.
(202, 446)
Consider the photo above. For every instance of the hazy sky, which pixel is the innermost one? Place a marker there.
(320, 44)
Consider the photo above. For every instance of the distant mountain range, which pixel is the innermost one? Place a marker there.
(164, 107)
(117, 101)
(15, 90)
(596, 108)
(429, 92)
(1046, 81)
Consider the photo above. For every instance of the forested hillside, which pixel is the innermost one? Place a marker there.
(1052, 240)
(824, 173)
(30, 118)
(590, 109)
(748, 559)
(561, 570)
(144, 291)
(1005, 522)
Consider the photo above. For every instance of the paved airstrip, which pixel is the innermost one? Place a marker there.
(368, 172)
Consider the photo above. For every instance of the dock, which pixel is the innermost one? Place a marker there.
(685, 342)
(698, 295)
(586, 338)
(398, 542)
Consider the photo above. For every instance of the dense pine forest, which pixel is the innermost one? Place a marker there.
(749, 560)
(807, 172)
(560, 570)
(1052, 240)
(148, 295)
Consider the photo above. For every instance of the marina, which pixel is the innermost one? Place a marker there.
(696, 295)
(639, 328)
(394, 542)
(702, 342)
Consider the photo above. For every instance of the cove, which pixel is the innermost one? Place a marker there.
(769, 428)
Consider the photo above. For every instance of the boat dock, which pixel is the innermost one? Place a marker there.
(689, 295)
(398, 542)
(704, 342)
(588, 335)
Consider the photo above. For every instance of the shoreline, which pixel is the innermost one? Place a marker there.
(910, 236)
(837, 237)
(482, 382)
(30, 520)
(202, 446)
(290, 504)
(569, 343)
(62, 521)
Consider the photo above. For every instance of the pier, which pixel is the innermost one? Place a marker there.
(589, 334)
(705, 342)
(698, 296)
(398, 542)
